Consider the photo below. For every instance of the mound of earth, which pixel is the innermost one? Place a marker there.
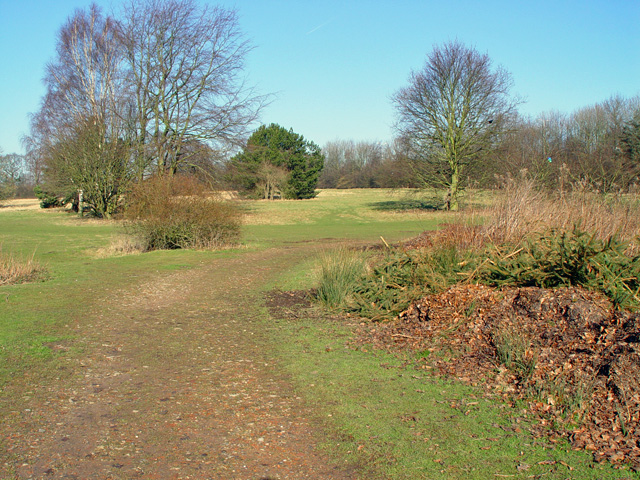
(572, 358)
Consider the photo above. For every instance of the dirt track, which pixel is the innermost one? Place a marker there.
(175, 382)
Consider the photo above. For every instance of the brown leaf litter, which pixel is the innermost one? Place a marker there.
(573, 359)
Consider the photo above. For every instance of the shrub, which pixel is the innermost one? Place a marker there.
(175, 212)
(402, 276)
(47, 199)
(567, 258)
(388, 283)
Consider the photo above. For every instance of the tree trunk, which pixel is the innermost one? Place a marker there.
(454, 191)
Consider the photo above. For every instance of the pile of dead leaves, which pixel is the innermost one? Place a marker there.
(565, 352)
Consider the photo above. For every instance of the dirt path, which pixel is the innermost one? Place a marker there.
(175, 383)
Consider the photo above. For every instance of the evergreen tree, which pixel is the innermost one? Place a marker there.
(276, 160)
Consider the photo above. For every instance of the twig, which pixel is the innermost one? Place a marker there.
(513, 253)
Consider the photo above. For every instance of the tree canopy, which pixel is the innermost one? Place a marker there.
(140, 94)
(452, 113)
(278, 161)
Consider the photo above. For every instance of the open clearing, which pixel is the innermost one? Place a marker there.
(169, 365)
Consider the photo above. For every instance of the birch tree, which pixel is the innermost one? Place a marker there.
(80, 129)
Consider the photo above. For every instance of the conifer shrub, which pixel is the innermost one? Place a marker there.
(171, 212)
(561, 258)
(47, 199)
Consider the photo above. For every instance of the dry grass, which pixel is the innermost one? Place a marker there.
(120, 246)
(15, 270)
(523, 209)
(19, 204)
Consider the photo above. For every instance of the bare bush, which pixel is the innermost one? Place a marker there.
(175, 212)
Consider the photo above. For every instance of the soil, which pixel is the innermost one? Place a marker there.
(175, 381)
(564, 353)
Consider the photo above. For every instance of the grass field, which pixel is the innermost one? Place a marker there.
(396, 422)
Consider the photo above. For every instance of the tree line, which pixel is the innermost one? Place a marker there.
(157, 89)
(596, 146)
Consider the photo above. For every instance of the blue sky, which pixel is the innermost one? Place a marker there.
(334, 64)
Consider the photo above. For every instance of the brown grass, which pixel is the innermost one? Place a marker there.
(120, 246)
(15, 270)
(520, 209)
(523, 209)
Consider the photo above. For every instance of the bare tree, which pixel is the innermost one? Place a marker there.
(79, 130)
(185, 63)
(595, 149)
(452, 113)
(11, 174)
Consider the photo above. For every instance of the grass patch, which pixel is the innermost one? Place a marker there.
(88, 260)
(122, 245)
(403, 423)
(334, 215)
(339, 274)
(513, 349)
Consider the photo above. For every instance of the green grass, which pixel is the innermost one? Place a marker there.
(348, 215)
(35, 315)
(398, 422)
(403, 423)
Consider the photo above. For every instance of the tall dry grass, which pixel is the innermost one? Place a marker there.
(522, 209)
(15, 270)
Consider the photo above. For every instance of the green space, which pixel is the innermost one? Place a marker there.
(379, 412)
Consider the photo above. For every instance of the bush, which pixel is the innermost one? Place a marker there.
(559, 258)
(387, 285)
(555, 258)
(47, 199)
(175, 212)
(402, 276)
